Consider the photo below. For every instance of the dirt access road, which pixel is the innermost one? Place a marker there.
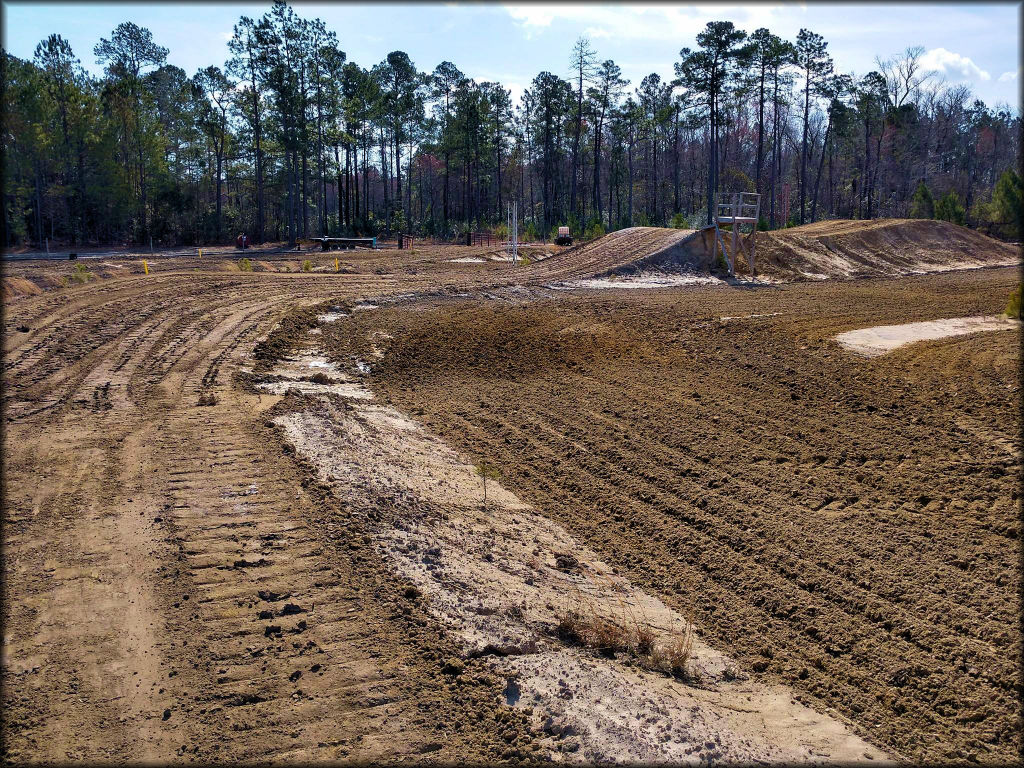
(178, 586)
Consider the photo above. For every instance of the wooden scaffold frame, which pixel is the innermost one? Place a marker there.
(737, 209)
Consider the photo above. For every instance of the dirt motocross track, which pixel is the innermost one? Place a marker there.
(180, 585)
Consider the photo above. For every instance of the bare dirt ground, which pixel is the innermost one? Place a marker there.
(848, 526)
(182, 583)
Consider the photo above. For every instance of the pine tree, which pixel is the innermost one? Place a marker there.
(922, 204)
(1008, 200)
(949, 208)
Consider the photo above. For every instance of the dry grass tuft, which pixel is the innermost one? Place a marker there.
(606, 636)
(643, 640)
(571, 627)
(581, 624)
(673, 657)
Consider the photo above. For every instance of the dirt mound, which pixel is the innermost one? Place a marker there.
(626, 250)
(826, 249)
(846, 248)
(19, 286)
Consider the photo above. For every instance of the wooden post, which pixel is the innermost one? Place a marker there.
(753, 236)
(735, 231)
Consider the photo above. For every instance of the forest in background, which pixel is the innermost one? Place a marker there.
(289, 139)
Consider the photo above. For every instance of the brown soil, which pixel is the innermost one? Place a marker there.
(153, 545)
(624, 249)
(846, 525)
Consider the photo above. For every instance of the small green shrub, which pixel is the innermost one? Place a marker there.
(678, 221)
(81, 274)
(307, 266)
(594, 230)
(486, 471)
(1013, 306)
(922, 204)
(245, 265)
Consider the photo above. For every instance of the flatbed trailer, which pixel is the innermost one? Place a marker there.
(326, 243)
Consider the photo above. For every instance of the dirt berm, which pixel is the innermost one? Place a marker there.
(630, 250)
(828, 249)
(883, 247)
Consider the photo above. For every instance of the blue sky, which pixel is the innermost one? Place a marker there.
(973, 43)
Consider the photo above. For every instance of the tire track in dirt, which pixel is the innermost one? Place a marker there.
(143, 527)
(214, 596)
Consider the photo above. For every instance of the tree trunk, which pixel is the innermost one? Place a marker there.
(305, 196)
(631, 182)
(675, 163)
(760, 130)
(821, 165)
(342, 194)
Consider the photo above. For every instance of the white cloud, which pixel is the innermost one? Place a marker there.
(949, 63)
(1008, 77)
(640, 22)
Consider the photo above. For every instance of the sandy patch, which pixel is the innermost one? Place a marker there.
(880, 339)
(468, 260)
(294, 373)
(305, 364)
(642, 280)
(330, 317)
(755, 316)
(342, 388)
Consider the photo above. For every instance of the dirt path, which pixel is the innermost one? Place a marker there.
(180, 593)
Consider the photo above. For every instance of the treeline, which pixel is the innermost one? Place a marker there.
(289, 139)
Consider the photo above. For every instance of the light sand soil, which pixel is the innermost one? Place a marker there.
(848, 526)
(846, 249)
(500, 577)
(879, 339)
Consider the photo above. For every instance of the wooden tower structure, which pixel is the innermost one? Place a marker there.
(737, 209)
